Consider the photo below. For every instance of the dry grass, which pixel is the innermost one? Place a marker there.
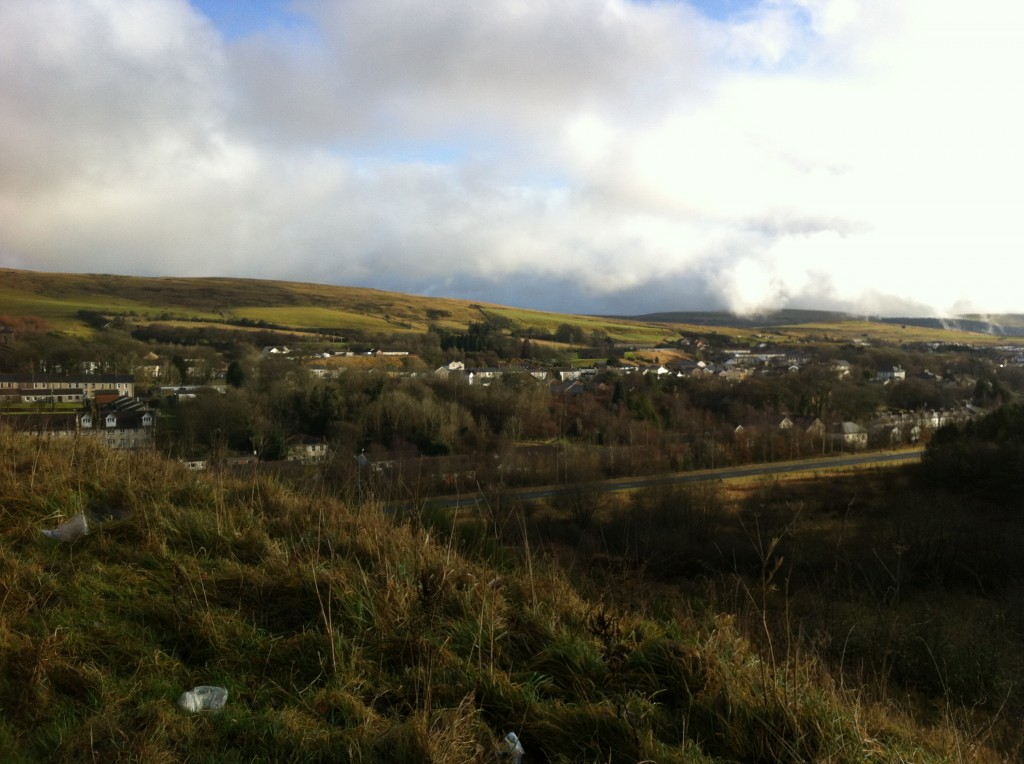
(57, 297)
(346, 633)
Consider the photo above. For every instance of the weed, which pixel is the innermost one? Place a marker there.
(345, 633)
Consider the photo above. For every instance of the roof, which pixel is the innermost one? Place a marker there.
(92, 379)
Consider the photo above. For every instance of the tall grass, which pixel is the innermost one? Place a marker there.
(345, 632)
(872, 586)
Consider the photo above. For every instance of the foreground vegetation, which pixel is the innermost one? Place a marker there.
(344, 633)
(867, 618)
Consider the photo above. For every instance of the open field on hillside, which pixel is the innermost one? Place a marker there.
(310, 316)
(875, 331)
(819, 325)
(59, 312)
(619, 330)
(58, 298)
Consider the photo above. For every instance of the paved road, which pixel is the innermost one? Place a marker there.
(728, 473)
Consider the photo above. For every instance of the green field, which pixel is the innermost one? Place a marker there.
(58, 297)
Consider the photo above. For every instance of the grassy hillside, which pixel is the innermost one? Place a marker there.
(59, 298)
(810, 325)
(343, 633)
(717, 318)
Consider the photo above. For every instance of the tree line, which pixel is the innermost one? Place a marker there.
(614, 424)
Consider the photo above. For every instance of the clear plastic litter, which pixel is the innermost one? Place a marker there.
(510, 749)
(205, 697)
(71, 530)
(85, 523)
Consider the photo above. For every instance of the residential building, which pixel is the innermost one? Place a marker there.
(307, 449)
(124, 384)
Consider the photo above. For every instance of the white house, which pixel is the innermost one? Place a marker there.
(851, 435)
(307, 449)
(891, 374)
(841, 369)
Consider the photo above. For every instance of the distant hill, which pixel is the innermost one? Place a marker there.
(63, 298)
(1001, 326)
(60, 296)
(722, 318)
(1007, 325)
(79, 303)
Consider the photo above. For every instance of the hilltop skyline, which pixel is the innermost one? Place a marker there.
(597, 156)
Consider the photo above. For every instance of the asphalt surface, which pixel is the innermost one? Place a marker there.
(727, 473)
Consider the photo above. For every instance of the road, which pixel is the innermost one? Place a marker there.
(727, 473)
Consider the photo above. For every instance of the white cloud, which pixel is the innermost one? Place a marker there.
(833, 152)
(95, 88)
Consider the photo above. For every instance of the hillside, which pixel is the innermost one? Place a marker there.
(60, 298)
(343, 633)
(66, 300)
(717, 318)
(1010, 325)
(811, 323)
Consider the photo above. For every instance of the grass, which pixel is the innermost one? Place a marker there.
(311, 316)
(345, 633)
(58, 297)
(896, 594)
(59, 313)
(619, 330)
(895, 334)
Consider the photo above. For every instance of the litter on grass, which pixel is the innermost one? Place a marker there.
(83, 523)
(71, 530)
(510, 749)
(205, 697)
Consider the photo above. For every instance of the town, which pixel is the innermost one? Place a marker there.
(453, 410)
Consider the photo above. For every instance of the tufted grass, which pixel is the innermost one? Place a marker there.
(347, 633)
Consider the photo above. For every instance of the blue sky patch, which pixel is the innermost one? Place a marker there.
(720, 10)
(236, 20)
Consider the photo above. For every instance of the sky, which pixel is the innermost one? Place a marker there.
(586, 156)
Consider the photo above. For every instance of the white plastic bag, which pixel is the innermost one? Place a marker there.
(205, 697)
(71, 530)
(510, 749)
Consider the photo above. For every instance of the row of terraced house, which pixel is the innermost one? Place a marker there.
(53, 388)
(102, 407)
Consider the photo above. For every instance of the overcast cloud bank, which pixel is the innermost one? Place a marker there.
(576, 155)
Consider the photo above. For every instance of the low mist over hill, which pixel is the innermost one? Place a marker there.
(1011, 325)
